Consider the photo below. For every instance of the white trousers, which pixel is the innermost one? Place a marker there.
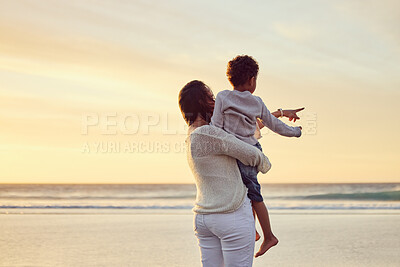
(226, 239)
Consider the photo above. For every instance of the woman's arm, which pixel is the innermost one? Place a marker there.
(218, 142)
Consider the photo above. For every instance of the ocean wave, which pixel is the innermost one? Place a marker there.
(379, 196)
(27, 197)
(172, 207)
(91, 207)
(371, 196)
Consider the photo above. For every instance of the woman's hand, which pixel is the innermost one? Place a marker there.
(292, 114)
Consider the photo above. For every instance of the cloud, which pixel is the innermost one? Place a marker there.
(295, 32)
(382, 18)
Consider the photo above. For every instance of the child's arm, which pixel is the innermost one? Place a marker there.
(289, 113)
(277, 125)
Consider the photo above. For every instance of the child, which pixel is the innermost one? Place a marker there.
(238, 112)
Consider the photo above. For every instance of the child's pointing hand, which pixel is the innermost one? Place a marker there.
(292, 114)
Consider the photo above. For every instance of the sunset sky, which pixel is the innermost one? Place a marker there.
(114, 68)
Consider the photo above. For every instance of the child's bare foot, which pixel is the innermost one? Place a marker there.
(267, 244)
(257, 236)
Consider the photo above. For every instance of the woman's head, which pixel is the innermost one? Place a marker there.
(196, 99)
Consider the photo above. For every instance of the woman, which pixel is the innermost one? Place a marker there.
(223, 221)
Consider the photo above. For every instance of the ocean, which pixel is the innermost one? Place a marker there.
(104, 198)
(152, 225)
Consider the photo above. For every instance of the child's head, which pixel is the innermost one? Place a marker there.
(242, 73)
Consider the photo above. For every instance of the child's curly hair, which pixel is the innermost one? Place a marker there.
(241, 69)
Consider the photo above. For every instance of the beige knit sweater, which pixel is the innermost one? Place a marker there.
(212, 154)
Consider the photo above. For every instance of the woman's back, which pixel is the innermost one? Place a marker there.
(212, 154)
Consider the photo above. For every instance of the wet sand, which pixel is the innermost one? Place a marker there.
(168, 240)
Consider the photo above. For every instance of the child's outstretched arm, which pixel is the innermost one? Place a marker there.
(276, 125)
(289, 113)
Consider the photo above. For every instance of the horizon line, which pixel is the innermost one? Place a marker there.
(190, 183)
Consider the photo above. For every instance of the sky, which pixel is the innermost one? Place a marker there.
(89, 89)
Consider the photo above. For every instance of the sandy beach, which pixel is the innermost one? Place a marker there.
(167, 240)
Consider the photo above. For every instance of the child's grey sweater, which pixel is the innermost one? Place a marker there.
(237, 112)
